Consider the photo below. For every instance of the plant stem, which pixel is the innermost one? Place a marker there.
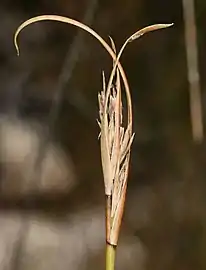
(110, 256)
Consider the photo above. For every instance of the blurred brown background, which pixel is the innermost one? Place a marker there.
(51, 184)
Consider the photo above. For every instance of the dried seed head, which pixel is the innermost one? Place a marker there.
(116, 140)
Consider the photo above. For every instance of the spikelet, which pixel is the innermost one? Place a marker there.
(116, 140)
(115, 136)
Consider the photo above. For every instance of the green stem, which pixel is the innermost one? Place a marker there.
(110, 256)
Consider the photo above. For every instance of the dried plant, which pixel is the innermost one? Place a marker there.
(116, 136)
(193, 73)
